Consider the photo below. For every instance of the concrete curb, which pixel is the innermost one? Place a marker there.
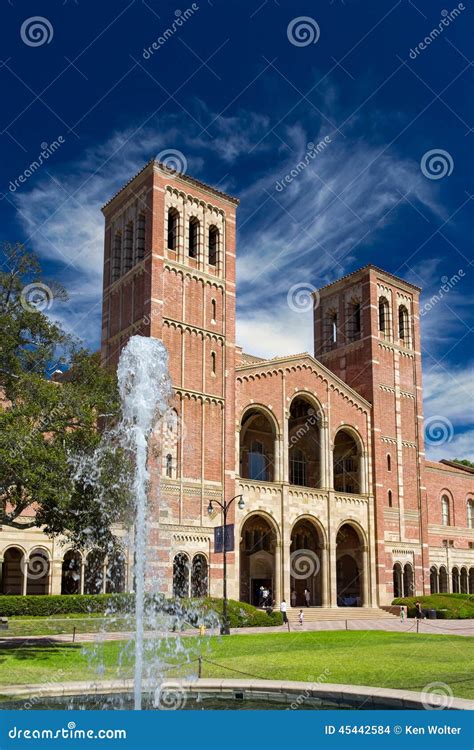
(353, 696)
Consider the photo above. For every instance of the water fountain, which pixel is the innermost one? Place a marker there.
(145, 391)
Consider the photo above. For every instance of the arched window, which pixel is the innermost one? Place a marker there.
(213, 310)
(199, 576)
(193, 247)
(354, 326)
(403, 327)
(390, 498)
(334, 328)
(384, 316)
(169, 444)
(455, 581)
(445, 520)
(181, 575)
(346, 464)
(173, 229)
(38, 572)
(128, 247)
(443, 580)
(116, 268)
(389, 462)
(470, 514)
(298, 467)
(397, 580)
(213, 363)
(434, 580)
(140, 245)
(257, 462)
(330, 329)
(408, 583)
(213, 245)
(71, 573)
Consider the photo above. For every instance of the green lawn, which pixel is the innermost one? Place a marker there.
(398, 660)
(57, 624)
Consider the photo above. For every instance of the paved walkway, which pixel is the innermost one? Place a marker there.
(433, 627)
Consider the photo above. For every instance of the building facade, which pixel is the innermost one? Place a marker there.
(327, 451)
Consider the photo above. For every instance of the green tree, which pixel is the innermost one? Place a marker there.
(464, 462)
(53, 471)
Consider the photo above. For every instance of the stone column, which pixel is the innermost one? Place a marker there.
(104, 576)
(81, 582)
(365, 577)
(324, 577)
(55, 576)
(332, 572)
(24, 584)
(323, 454)
(286, 577)
(277, 459)
(330, 453)
(363, 474)
(277, 591)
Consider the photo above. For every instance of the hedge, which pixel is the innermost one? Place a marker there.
(36, 606)
(187, 610)
(447, 606)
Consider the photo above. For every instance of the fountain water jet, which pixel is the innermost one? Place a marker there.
(145, 391)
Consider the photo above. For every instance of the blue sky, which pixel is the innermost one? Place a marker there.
(232, 91)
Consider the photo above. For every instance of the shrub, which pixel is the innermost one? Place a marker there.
(36, 606)
(447, 606)
(191, 611)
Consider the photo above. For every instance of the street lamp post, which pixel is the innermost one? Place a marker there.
(225, 630)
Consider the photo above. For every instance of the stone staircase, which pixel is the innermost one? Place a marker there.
(316, 614)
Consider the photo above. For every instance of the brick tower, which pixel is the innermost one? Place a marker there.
(169, 272)
(366, 330)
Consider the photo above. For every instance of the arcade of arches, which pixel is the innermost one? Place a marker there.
(92, 573)
(459, 581)
(308, 567)
(309, 461)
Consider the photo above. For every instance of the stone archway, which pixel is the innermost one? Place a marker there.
(304, 444)
(116, 573)
(464, 581)
(199, 576)
(257, 560)
(434, 583)
(408, 581)
(443, 580)
(13, 573)
(257, 446)
(455, 581)
(347, 459)
(181, 570)
(397, 581)
(71, 573)
(94, 572)
(38, 572)
(306, 559)
(351, 568)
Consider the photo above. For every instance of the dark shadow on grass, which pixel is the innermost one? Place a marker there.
(40, 649)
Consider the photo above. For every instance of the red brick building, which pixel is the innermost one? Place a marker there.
(326, 450)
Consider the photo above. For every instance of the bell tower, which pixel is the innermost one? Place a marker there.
(169, 272)
(367, 331)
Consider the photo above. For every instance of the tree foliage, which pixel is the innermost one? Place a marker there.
(49, 428)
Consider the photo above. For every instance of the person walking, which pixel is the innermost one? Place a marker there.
(418, 611)
(301, 617)
(307, 597)
(283, 612)
(402, 613)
